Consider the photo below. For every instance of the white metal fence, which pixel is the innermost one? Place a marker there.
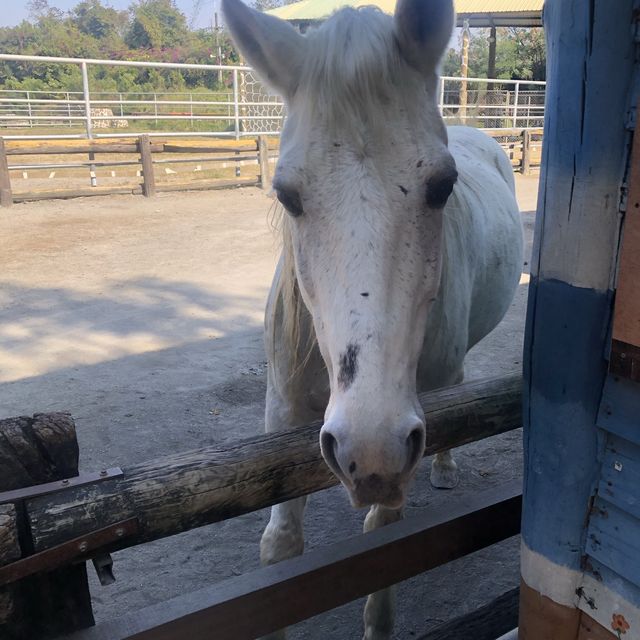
(243, 108)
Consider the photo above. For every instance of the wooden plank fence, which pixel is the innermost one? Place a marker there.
(80, 518)
(269, 599)
(146, 151)
(522, 146)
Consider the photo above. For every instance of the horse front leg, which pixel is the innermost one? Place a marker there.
(379, 612)
(283, 537)
(444, 471)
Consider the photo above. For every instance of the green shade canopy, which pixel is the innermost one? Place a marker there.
(479, 13)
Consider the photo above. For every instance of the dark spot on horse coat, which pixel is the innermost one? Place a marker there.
(365, 294)
(419, 163)
(348, 366)
(405, 191)
(352, 467)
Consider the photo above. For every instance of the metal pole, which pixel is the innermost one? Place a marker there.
(155, 106)
(516, 97)
(491, 69)
(216, 30)
(236, 114)
(87, 99)
(236, 106)
(121, 110)
(69, 109)
(191, 108)
(464, 71)
(87, 114)
(29, 108)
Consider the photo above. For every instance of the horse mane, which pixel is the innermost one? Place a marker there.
(352, 69)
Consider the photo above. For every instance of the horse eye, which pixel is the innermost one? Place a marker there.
(439, 189)
(290, 200)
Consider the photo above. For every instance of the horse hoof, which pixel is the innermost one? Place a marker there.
(444, 477)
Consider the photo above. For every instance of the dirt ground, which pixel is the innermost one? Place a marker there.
(143, 318)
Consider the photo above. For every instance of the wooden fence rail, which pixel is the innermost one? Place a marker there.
(74, 519)
(522, 146)
(186, 490)
(269, 599)
(146, 150)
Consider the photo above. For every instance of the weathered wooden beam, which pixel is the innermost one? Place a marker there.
(6, 199)
(34, 451)
(187, 490)
(263, 601)
(486, 623)
(9, 546)
(208, 185)
(525, 166)
(148, 176)
(183, 148)
(263, 156)
(77, 148)
(66, 194)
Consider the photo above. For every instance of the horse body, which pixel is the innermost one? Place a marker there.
(402, 248)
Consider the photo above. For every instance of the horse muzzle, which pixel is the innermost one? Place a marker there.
(374, 470)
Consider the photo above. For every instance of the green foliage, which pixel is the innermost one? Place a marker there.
(153, 30)
(102, 23)
(156, 30)
(520, 55)
(156, 24)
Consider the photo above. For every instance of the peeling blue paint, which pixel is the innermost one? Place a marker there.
(564, 375)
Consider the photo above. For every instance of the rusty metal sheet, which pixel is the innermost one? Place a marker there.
(26, 493)
(68, 552)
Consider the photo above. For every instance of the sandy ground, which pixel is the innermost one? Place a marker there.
(143, 318)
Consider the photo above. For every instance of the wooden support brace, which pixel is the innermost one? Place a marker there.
(34, 451)
(263, 601)
(486, 623)
(263, 156)
(251, 474)
(525, 167)
(6, 198)
(149, 179)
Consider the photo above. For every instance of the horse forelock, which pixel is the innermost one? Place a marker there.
(352, 69)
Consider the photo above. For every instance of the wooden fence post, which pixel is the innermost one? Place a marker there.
(149, 179)
(34, 451)
(263, 158)
(6, 198)
(525, 166)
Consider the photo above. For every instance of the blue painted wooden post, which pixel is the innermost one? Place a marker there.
(591, 86)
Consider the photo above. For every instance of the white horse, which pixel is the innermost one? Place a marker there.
(402, 249)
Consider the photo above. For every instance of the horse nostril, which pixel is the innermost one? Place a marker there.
(415, 447)
(329, 446)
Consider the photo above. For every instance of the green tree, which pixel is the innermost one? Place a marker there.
(156, 24)
(520, 54)
(265, 5)
(94, 19)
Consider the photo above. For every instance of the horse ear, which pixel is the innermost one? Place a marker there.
(423, 29)
(270, 45)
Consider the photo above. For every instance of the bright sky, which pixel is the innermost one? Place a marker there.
(14, 12)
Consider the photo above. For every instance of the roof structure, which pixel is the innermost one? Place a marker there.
(478, 13)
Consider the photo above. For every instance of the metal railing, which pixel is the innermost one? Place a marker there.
(243, 108)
